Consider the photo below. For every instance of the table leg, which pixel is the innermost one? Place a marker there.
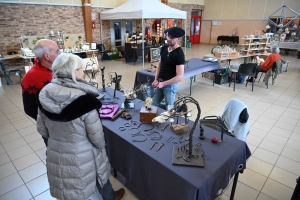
(234, 82)
(191, 82)
(115, 173)
(236, 176)
(214, 79)
(229, 60)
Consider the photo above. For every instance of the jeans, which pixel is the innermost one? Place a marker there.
(168, 92)
(106, 191)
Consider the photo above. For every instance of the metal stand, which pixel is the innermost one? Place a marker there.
(103, 79)
(189, 156)
(181, 156)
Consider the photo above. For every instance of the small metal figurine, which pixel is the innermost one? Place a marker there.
(116, 80)
(201, 136)
(103, 79)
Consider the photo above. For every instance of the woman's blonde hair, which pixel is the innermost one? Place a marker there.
(65, 65)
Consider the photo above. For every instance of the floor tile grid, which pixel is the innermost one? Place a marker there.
(18, 172)
(243, 89)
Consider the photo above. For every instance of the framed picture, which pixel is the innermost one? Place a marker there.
(154, 54)
(93, 46)
(276, 36)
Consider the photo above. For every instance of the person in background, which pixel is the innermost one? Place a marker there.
(170, 69)
(268, 63)
(68, 115)
(38, 76)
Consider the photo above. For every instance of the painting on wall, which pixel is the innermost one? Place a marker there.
(170, 23)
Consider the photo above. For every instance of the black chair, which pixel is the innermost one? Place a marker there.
(244, 70)
(101, 49)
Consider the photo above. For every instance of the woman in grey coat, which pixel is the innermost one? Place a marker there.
(68, 116)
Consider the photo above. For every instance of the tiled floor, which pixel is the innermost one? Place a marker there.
(274, 138)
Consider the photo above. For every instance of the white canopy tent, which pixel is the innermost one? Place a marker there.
(142, 9)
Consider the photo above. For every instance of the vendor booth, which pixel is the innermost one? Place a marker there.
(142, 9)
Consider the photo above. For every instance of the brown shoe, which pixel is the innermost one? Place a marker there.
(119, 194)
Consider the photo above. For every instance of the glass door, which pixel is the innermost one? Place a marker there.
(119, 30)
(195, 29)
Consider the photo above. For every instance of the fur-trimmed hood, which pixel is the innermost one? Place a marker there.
(63, 100)
(77, 108)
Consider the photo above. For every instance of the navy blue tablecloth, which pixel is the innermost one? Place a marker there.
(153, 173)
(193, 67)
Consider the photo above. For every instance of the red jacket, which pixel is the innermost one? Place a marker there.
(33, 82)
(271, 59)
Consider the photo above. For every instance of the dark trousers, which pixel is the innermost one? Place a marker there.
(257, 70)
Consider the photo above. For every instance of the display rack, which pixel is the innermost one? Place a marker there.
(59, 41)
(254, 46)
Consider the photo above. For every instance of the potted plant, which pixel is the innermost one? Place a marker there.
(79, 37)
(26, 41)
(67, 38)
(34, 41)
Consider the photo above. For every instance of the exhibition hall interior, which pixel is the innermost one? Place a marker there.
(232, 130)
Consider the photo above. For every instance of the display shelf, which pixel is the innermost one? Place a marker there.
(254, 46)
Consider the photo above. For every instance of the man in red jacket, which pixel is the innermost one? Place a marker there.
(38, 76)
(269, 62)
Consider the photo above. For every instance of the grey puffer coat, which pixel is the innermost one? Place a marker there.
(76, 158)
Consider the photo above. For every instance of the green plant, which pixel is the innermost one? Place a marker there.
(67, 37)
(34, 41)
(40, 37)
(76, 42)
(79, 37)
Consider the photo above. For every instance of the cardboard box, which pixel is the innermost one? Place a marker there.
(226, 54)
(209, 75)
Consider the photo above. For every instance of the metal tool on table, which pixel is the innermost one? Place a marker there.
(163, 129)
(170, 139)
(162, 144)
(153, 145)
(118, 114)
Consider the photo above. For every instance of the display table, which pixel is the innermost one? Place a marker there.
(286, 45)
(233, 39)
(153, 173)
(251, 56)
(194, 67)
(133, 51)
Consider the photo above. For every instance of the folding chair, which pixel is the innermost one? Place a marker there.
(234, 120)
(7, 74)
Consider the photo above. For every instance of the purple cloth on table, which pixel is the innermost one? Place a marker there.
(114, 108)
(192, 68)
(153, 173)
